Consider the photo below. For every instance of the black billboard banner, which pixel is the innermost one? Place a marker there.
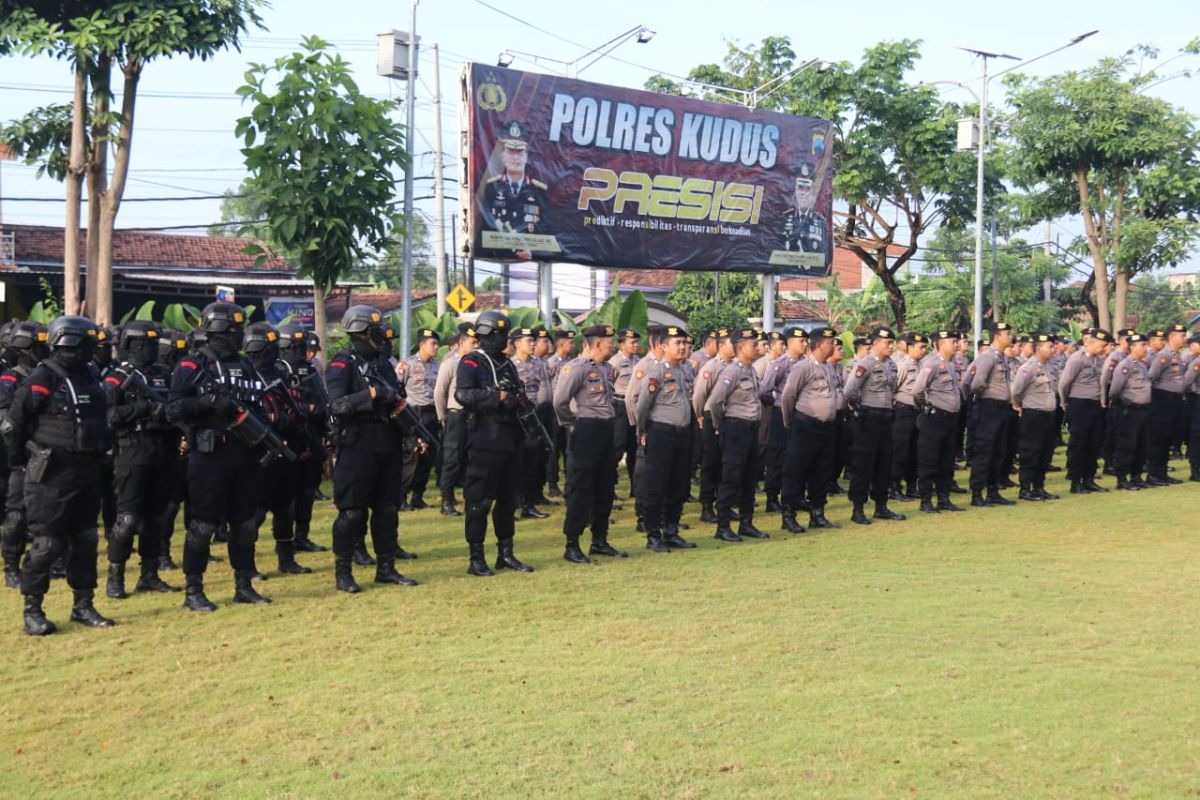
(572, 171)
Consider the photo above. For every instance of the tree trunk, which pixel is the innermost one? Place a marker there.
(76, 167)
(97, 180)
(320, 323)
(895, 296)
(1085, 298)
(1120, 317)
(1099, 265)
(111, 199)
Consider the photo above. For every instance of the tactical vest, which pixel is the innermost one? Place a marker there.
(73, 419)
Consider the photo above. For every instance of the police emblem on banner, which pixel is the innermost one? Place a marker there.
(491, 97)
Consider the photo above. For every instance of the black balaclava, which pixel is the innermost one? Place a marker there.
(226, 344)
(267, 356)
(73, 358)
(294, 355)
(142, 351)
(103, 355)
(493, 344)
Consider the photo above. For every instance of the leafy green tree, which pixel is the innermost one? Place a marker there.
(1094, 143)
(97, 37)
(694, 291)
(1155, 304)
(321, 157)
(709, 317)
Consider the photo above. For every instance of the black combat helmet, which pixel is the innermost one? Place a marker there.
(139, 342)
(259, 339)
(293, 344)
(73, 332)
(492, 328)
(222, 318)
(27, 335)
(172, 344)
(359, 319)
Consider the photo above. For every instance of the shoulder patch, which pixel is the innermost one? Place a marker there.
(189, 364)
(494, 178)
(566, 369)
(538, 183)
(641, 373)
(470, 362)
(113, 379)
(858, 373)
(37, 387)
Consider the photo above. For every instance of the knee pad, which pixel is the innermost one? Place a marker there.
(46, 549)
(479, 509)
(126, 526)
(200, 533)
(351, 521)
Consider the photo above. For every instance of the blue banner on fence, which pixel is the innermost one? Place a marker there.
(296, 310)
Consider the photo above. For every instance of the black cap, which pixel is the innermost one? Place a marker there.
(598, 331)
(466, 329)
(518, 333)
(1177, 328)
(823, 333)
(743, 335)
(673, 330)
(561, 334)
(795, 333)
(1134, 338)
(775, 336)
(1042, 338)
(1001, 327)
(428, 333)
(915, 337)
(861, 341)
(944, 334)
(628, 333)
(1126, 332)
(883, 332)
(1101, 334)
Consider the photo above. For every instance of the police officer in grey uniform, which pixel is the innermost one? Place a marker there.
(1118, 354)
(1168, 374)
(1130, 393)
(418, 375)
(770, 388)
(735, 412)
(1193, 383)
(583, 402)
(1079, 394)
(710, 448)
(664, 420)
(450, 414)
(564, 346)
(991, 376)
(871, 392)
(910, 349)
(1035, 399)
(535, 377)
(624, 432)
(809, 406)
(939, 397)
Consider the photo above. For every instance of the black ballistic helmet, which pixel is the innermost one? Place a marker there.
(259, 337)
(138, 329)
(172, 344)
(360, 319)
(490, 322)
(292, 336)
(27, 334)
(222, 318)
(73, 332)
(6, 334)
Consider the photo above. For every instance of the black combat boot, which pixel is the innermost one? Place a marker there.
(927, 505)
(361, 557)
(995, 498)
(114, 587)
(306, 545)
(166, 563)
(12, 575)
(1126, 485)
(1079, 487)
(36, 623)
(859, 516)
(746, 528)
(816, 519)
(85, 613)
(418, 502)
(478, 565)
(790, 524)
(530, 511)
(978, 500)
(194, 598)
(506, 560)
(773, 506)
(1091, 485)
(244, 591)
(405, 555)
(896, 493)
(672, 539)
(572, 552)
(149, 581)
(1041, 492)
(601, 547)
(286, 552)
(944, 504)
(725, 533)
(385, 572)
(883, 512)
(343, 572)
(450, 508)
(1027, 493)
(654, 541)
(708, 513)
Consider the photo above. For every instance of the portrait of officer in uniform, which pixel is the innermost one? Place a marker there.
(804, 229)
(513, 201)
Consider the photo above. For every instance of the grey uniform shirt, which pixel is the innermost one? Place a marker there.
(584, 391)
(705, 381)
(810, 390)
(1033, 387)
(1108, 372)
(991, 376)
(872, 383)
(553, 364)
(419, 380)
(771, 385)
(762, 364)
(735, 395)
(906, 378)
(1193, 372)
(443, 387)
(937, 384)
(534, 375)
(663, 397)
(623, 366)
(1080, 377)
(1168, 371)
(698, 359)
(1131, 382)
(634, 389)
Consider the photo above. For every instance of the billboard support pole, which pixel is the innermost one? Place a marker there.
(768, 315)
(546, 293)
(443, 285)
(410, 127)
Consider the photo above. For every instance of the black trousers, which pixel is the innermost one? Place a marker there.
(1086, 438)
(142, 491)
(710, 461)
(61, 512)
(1129, 449)
(664, 475)
(309, 472)
(490, 486)
(1010, 452)
(221, 493)
(841, 445)
(559, 434)
(808, 461)
(454, 452)
(1165, 410)
(279, 486)
(741, 461)
(936, 446)
(366, 483)
(426, 462)
(992, 423)
(1193, 445)
(591, 476)
(625, 443)
(904, 445)
(16, 528)
(1039, 431)
(871, 455)
(776, 445)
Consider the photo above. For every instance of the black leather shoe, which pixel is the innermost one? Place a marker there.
(1092, 486)
(896, 493)
(1078, 487)
(149, 581)
(927, 506)
(307, 545)
(707, 513)
(746, 528)
(601, 547)
(573, 554)
(418, 503)
(816, 519)
(886, 513)
(166, 563)
(995, 498)
(194, 598)
(450, 509)
(1172, 481)
(979, 501)
(286, 555)
(956, 489)
(1155, 480)
(912, 494)
(1128, 486)
(1042, 493)
(654, 541)
(790, 523)
(944, 504)
(859, 517)
(677, 542)
(726, 534)
(531, 512)
(773, 506)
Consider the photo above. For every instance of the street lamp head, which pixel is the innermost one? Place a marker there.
(644, 35)
(1083, 36)
(824, 66)
(505, 59)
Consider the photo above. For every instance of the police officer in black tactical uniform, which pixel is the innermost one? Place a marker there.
(215, 391)
(365, 398)
(27, 346)
(295, 359)
(146, 447)
(490, 393)
(280, 479)
(172, 347)
(56, 429)
(102, 358)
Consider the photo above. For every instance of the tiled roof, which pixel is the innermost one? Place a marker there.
(43, 245)
(803, 309)
(649, 278)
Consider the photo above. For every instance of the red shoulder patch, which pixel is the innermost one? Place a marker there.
(9, 378)
(115, 381)
(338, 364)
(858, 373)
(37, 387)
(471, 363)
(189, 364)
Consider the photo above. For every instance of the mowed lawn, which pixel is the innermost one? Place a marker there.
(1047, 650)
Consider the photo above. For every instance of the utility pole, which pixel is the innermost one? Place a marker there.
(409, 132)
(995, 274)
(768, 315)
(443, 285)
(1047, 283)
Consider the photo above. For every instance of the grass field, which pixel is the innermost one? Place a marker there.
(1047, 650)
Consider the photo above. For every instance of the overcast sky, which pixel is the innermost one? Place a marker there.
(184, 145)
